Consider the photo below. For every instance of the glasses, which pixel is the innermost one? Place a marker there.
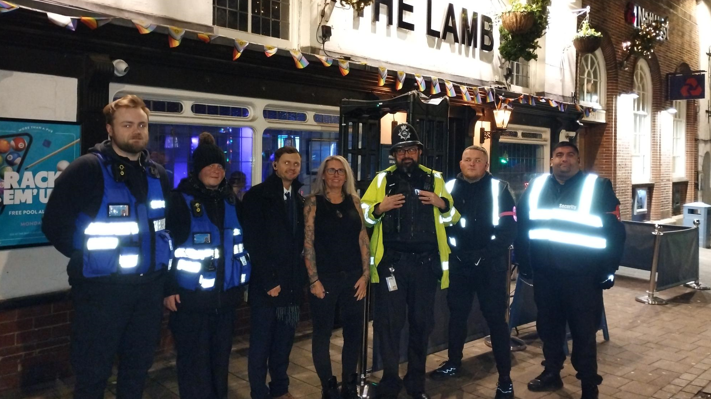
(334, 171)
(409, 151)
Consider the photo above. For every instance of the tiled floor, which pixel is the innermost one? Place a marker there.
(654, 352)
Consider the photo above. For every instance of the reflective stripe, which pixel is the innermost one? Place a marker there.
(243, 260)
(170, 264)
(453, 241)
(207, 282)
(366, 214)
(189, 266)
(99, 243)
(128, 261)
(566, 215)
(495, 195)
(236, 232)
(463, 222)
(381, 176)
(586, 196)
(493, 237)
(196, 254)
(159, 225)
(157, 204)
(450, 185)
(111, 229)
(443, 219)
(238, 248)
(216, 253)
(568, 238)
(445, 265)
(372, 260)
(243, 279)
(536, 190)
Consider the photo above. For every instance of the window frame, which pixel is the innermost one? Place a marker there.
(599, 60)
(249, 36)
(640, 146)
(679, 140)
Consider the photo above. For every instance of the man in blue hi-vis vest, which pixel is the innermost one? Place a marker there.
(570, 242)
(107, 214)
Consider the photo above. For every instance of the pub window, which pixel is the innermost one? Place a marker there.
(521, 72)
(261, 17)
(679, 140)
(589, 79)
(641, 134)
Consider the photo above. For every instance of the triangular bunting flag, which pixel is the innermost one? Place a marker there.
(382, 75)
(94, 23)
(420, 82)
(435, 86)
(561, 107)
(206, 37)
(63, 21)
(299, 59)
(477, 96)
(552, 103)
(490, 95)
(587, 112)
(344, 66)
(400, 80)
(269, 51)
(144, 27)
(326, 61)
(175, 36)
(6, 6)
(240, 45)
(533, 100)
(465, 93)
(450, 88)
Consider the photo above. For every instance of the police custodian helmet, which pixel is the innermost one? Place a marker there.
(404, 135)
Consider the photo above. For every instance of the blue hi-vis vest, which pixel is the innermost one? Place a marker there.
(576, 227)
(197, 259)
(126, 236)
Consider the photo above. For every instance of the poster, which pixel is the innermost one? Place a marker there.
(32, 155)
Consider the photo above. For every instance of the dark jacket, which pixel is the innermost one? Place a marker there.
(553, 257)
(276, 250)
(475, 229)
(80, 189)
(178, 223)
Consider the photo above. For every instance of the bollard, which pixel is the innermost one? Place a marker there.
(650, 299)
(697, 285)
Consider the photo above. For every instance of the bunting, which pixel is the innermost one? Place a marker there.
(435, 86)
(382, 75)
(269, 51)
(299, 59)
(587, 112)
(489, 95)
(144, 27)
(450, 88)
(94, 23)
(533, 100)
(420, 82)
(552, 103)
(344, 66)
(206, 37)
(63, 21)
(175, 36)
(400, 80)
(240, 45)
(465, 93)
(561, 107)
(6, 6)
(477, 96)
(326, 61)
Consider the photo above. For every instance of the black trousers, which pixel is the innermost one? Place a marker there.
(488, 283)
(110, 320)
(416, 288)
(339, 294)
(270, 342)
(204, 343)
(577, 301)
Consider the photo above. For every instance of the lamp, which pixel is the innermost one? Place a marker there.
(501, 119)
(671, 110)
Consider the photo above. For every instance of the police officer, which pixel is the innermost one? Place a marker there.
(107, 214)
(479, 263)
(210, 266)
(570, 240)
(409, 208)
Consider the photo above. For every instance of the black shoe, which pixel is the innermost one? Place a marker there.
(446, 371)
(420, 395)
(590, 392)
(547, 381)
(330, 391)
(504, 389)
(349, 390)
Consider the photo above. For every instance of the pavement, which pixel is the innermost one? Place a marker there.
(659, 352)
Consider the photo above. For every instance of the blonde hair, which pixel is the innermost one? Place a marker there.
(348, 185)
(127, 101)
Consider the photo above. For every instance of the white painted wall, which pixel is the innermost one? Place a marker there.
(199, 12)
(556, 57)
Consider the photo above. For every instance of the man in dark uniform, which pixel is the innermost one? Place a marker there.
(273, 216)
(408, 207)
(107, 214)
(479, 263)
(570, 241)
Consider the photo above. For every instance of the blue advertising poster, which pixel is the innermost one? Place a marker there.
(32, 155)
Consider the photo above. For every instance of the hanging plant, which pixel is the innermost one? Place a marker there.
(587, 39)
(516, 44)
(356, 5)
(646, 39)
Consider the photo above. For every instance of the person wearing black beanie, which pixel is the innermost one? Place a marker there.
(209, 270)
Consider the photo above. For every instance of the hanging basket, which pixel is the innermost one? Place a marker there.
(517, 22)
(587, 44)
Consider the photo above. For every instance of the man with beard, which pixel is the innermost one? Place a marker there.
(570, 241)
(107, 214)
(409, 208)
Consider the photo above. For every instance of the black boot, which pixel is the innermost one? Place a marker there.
(590, 391)
(547, 381)
(504, 388)
(349, 390)
(330, 391)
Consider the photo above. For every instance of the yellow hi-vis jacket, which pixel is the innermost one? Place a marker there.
(375, 195)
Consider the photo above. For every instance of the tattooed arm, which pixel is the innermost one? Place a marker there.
(309, 253)
(364, 244)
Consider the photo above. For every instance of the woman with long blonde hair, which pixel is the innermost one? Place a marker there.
(336, 241)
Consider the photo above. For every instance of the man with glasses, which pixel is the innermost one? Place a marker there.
(479, 263)
(408, 207)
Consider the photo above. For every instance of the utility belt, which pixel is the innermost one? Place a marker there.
(394, 259)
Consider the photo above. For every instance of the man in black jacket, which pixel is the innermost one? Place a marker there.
(107, 214)
(479, 263)
(274, 237)
(570, 241)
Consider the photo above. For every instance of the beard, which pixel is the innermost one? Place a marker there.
(130, 146)
(407, 165)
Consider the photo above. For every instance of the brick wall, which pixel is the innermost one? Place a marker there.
(614, 155)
